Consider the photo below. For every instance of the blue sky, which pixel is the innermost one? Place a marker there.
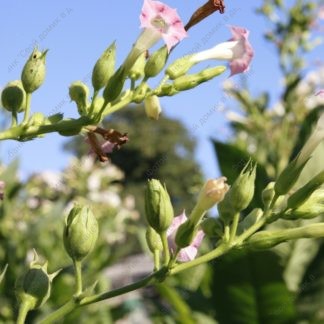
(76, 32)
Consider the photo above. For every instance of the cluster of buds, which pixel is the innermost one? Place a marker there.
(183, 233)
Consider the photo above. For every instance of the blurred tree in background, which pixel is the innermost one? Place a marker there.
(160, 149)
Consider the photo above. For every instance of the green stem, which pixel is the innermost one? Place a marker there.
(226, 233)
(95, 95)
(60, 313)
(196, 215)
(27, 110)
(165, 245)
(14, 119)
(78, 276)
(234, 225)
(220, 250)
(156, 255)
(22, 131)
(24, 308)
(155, 276)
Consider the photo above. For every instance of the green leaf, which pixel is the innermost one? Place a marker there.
(249, 288)
(310, 301)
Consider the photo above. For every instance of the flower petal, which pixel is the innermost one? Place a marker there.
(187, 254)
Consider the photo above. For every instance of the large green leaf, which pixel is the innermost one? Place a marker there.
(249, 288)
(310, 302)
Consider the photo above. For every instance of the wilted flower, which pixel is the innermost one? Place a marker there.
(152, 107)
(159, 21)
(188, 253)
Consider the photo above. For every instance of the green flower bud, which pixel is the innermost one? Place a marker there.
(137, 70)
(268, 193)
(158, 207)
(13, 97)
(302, 194)
(185, 234)
(33, 73)
(115, 85)
(240, 194)
(140, 93)
(311, 208)
(167, 90)
(156, 62)
(104, 68)
(180, 67)
(289, 176)
(190, 81)
(79, 93)
(212, 227)
(37, 119)
(34, 287)
(152, 107)
(80, 232)
(153, 240)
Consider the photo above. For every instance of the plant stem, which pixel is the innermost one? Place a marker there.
(59, 313)
(120, 291)
(24, 308)
(165, 245)
(95, 94)
(27, 110)
(14, 119)
(220, 250)
(78, 276)
(233, 229)
(156, 255)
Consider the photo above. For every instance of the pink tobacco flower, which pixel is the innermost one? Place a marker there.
(238, 51)
(320, 93)
(188, 253)
(160, 21)
(2, 188)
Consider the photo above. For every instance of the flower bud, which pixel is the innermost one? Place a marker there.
(158, 207)
(240, 194)
(115, 85)
(152, 107)
(156, 62)
(167, 90)
(212, 193)
(185, 234)
(212, 227)
(34, 287)
(268, 193)
(153, 240)
(302, 194)
(80, 232)
(13, 97)
(33, 73)
(311, 208)
(79, 93)
(190, 81)
(104, 68)
(289, 177)
(179, 67)
(136, 72)
(140, 92)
